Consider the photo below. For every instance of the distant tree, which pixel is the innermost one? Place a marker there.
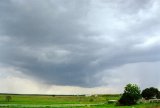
(150, 93)
(158, 95)
(131, 95)
(91, 100)
(8, 98)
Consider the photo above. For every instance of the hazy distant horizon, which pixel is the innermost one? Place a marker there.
(78, 46)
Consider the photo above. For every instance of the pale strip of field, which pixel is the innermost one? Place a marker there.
(41, 106)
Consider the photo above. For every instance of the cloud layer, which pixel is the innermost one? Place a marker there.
(81, 43)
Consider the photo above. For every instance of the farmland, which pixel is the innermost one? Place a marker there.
(72, 101)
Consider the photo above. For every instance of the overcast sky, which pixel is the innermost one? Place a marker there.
(78, 46)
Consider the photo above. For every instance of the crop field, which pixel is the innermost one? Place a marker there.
(53, 101)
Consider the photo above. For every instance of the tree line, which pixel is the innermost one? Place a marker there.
(132, 94)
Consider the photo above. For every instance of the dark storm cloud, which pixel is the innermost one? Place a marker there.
(38, 25)
(39, 21)
(57, 41)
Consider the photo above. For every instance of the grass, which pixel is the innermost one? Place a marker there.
(89, 106)
(49, 101)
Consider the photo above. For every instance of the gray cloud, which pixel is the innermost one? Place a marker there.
(71, 43)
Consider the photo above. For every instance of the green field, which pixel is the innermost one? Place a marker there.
(51, 101)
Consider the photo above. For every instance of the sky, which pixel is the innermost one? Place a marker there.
(78, 46)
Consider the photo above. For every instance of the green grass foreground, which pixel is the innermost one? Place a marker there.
(51, 101)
